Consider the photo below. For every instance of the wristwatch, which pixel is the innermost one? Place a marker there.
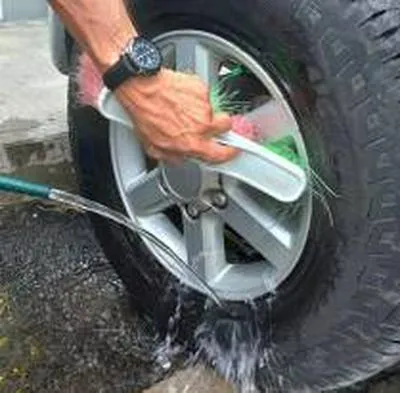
(140, 58)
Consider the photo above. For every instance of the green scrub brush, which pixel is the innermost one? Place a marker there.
(228, 101)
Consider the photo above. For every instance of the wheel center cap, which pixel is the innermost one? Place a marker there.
(184, 182)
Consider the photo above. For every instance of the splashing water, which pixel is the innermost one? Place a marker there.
(232, 340)
(169, 348)
(232, 343)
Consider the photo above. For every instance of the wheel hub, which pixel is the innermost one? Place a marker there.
(182, 183)
(188, 185)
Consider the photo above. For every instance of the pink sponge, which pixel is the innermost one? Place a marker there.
(245, 128)
(89, 81)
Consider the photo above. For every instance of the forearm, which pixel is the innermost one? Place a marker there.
(101, 27)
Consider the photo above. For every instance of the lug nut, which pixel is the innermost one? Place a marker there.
(193, 211)
(219, 200)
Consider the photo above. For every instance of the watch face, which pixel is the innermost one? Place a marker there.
(146, 55)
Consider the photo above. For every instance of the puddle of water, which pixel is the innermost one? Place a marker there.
(66, 323)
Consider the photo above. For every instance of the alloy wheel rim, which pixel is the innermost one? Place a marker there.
(279, 238)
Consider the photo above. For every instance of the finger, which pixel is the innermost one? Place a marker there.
(221, 122)
(161, 155)
(173, 160)
(154, 153)
(205, 149)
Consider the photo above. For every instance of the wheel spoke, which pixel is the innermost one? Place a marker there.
(168, 55)
(192, 56)
(147, 196)
(205, 246)
(264, 231)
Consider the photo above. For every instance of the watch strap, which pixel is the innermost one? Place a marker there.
(118, 73)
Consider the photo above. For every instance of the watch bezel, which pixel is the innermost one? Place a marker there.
(126, 67)
(135, 66)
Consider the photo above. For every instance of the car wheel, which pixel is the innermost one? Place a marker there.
(322, 274)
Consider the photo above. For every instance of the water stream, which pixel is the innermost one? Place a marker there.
(81, 203)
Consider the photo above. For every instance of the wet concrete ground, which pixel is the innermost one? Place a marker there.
(66, 323)
(65, 320)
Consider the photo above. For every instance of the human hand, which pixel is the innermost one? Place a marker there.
(174, 118)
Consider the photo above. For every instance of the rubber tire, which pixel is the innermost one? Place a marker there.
(336, 319)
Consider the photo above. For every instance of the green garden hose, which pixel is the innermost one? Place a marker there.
(19, 186)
